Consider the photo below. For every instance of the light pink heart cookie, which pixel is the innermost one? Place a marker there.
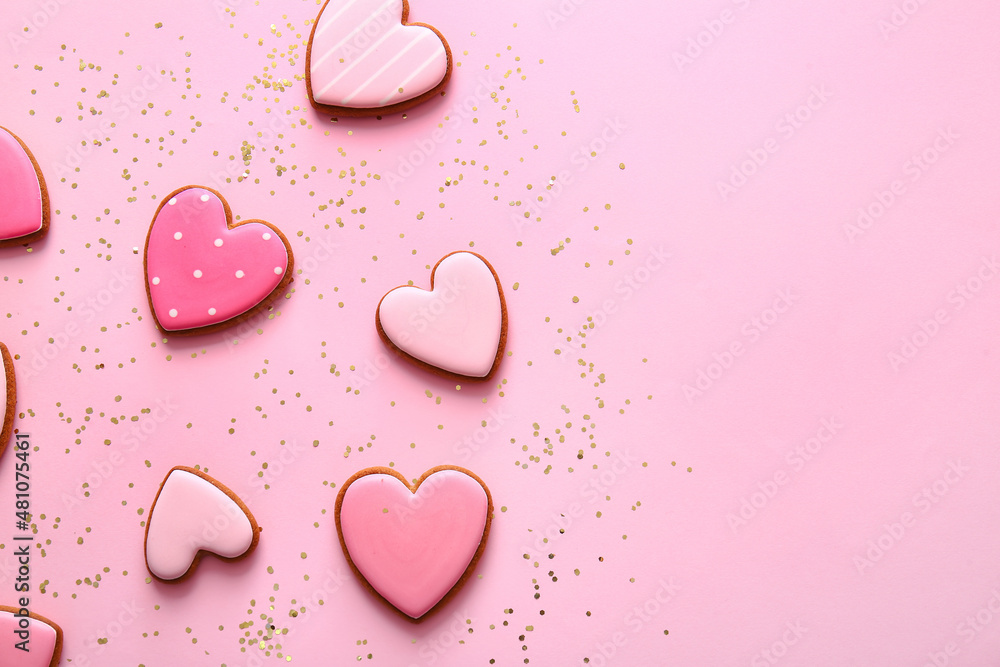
(363, 58)
(8, 397)
(192, 514)
(44, 639)
(414, 545)
(25, 214)
(202, 271)
(458, 329)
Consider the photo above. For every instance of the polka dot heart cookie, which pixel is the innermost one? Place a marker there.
(364, 59)
(203, 272)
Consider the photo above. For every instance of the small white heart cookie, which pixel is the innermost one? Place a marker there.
(191, 514)
(457, 329)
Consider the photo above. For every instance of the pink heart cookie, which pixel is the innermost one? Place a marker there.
(363, 58)
(193, 514)
(44, 639)
(458, 329)
(414, 545)
(25, 214)
(202, 271)
(8, 397)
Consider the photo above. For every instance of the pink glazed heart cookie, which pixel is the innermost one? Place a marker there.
(194, 514)
(458, 329)
(364, 59)
(414, 545)
(25, 214)
(8, 397)
(203, 272)
(44, 639)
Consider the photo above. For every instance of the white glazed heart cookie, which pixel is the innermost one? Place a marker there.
(194, 514)
(458, 329)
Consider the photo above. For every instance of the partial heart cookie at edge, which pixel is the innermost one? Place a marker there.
(25, 214)
(42, 639)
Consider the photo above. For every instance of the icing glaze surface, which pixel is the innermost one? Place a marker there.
(412, 548)
(363, 56)
(200, 272)
(191, 514)
(42, 642)
(20, 191)
(457, 326)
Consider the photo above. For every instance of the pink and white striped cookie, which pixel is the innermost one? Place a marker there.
(364, 59)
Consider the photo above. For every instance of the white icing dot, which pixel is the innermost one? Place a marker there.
(278, 270)
(204, 197)
(177, 236)
(171, 201)
(197, 273)
(267, 236)
(240, 274)
(173, 312)
(218, 243)
(211, 311)
(156, 281)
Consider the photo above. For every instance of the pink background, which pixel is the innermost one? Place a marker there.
(597, 428)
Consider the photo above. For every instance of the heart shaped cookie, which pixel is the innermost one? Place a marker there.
(364, 59)
(25, 214)
(193, 514)
(414, 545)
(458, 329)
(203, 272)
(8, 397)
(42, 639)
